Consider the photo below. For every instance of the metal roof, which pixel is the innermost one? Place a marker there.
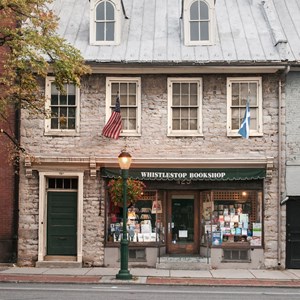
(247, 31)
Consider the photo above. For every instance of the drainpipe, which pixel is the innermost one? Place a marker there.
(282, 77)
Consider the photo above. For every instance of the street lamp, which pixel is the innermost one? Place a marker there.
(124, 162)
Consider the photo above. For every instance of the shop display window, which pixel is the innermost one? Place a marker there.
(144, 220)
(232, 218)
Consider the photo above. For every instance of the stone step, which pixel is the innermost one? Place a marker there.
(183, 263)
(58, 264)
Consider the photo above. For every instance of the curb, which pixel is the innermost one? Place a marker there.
(149, 280)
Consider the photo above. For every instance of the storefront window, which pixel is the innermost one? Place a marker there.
(144, 220)
(232, 218)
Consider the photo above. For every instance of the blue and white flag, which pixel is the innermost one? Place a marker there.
(244, 130)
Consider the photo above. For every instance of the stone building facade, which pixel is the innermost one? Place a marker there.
(83, 155)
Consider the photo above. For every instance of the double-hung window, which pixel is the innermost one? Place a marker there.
(105, 22)
(184, 106)
(198, 16)
(62, 108)
(128, 89)
(239, 91)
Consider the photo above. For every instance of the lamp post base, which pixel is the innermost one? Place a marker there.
(124, 275)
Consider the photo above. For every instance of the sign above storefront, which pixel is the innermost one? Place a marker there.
(189, 174)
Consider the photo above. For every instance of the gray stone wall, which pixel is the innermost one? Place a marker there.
(153, 143)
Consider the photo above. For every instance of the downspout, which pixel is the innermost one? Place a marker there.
(282, 77)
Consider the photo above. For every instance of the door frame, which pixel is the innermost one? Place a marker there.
(289, 262)
(42, 225)
(177, 248)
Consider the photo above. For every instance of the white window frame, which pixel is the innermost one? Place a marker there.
(197, 132)
(110, 106)
(118, 15)
(186, 23)
(60, 132)
(253, 132)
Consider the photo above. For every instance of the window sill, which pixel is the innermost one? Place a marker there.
(236, 135)
(61, 133)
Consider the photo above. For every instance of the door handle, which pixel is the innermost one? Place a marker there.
(62, 238)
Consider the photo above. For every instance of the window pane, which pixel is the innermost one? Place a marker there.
(72, 123)
(253, 118)
(176, 113)
(63, 99)
(253, 94)
(193, 124)
(99, 31)
(114, 88)
(100, 11)
(176, 88)
(54, 90)
(185, 88)
(67, 183)
(51, 183)
(235, 94)
(110, 15)
(204, 31)
(193, 113)
(184, 124)
(185, 113)
(132, 113)
(193, 99)
(244, 94)
(235, 119)
(54, 99)
(176, 125)
(176, 100)
(194, 31)
(71, 99)
(72, 112)
(132, 124)
(123, 88)
(59, 183)
(185, 100)
(132, 100)
(132, 88)
(203, 11)
(54, 123)
(71, 89)
(194, 11)
(110, 28)
(193, 89)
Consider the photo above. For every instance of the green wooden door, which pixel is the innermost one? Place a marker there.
(62, 223)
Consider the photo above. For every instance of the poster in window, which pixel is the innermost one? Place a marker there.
(156, 207)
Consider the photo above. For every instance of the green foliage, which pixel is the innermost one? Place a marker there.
(33, 50)
(135, 189)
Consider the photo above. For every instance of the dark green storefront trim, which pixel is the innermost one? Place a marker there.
(219, 174)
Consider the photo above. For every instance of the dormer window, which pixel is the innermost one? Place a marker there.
(105, 22)
(198, 17)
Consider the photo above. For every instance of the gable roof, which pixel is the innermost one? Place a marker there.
(247, 32)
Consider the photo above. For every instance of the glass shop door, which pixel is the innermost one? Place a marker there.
(183, 223)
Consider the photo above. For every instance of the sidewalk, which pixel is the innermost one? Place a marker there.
(102, 275)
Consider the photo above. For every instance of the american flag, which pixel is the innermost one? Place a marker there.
(113, 127)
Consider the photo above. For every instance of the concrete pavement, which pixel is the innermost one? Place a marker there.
(103, 275)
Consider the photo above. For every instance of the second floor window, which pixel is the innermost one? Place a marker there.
(61, 107)
(184, 106)
(239, 91)
(129, 91)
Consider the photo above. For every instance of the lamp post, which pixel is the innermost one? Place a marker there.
(124, 162)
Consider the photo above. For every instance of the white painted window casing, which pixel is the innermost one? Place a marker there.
(199, 22)
(62, 111)
(184, 106)
(129, 90)
(105, 22)
(239, 90)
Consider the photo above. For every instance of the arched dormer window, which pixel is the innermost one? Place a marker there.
(105, 22)
(199, 22)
